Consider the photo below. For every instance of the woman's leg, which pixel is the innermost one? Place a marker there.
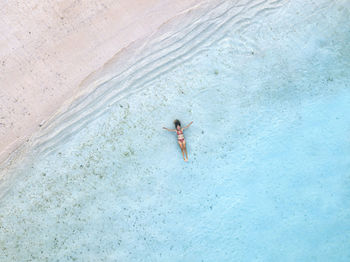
(184, 147)
(182, 150)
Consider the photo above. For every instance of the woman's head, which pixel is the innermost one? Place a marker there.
(177, 124)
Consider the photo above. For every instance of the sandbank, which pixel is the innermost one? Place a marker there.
(48, 49)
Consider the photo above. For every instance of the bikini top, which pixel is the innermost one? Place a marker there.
(179, 134)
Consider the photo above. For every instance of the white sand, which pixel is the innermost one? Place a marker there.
(47, 49)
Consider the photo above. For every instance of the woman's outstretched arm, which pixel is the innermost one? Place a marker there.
(169, 129)
(188, 125)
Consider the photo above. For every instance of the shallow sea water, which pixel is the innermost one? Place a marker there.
(269, 155)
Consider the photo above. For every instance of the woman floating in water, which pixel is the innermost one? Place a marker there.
(180, 136)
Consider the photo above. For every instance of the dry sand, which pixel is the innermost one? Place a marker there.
(48, 48)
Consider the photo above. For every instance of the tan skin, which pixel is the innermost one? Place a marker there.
(182, 144)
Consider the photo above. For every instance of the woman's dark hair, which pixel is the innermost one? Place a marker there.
(177, 123)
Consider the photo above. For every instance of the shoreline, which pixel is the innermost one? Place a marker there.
(45, 65)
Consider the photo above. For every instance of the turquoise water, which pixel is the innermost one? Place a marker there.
(269, 150)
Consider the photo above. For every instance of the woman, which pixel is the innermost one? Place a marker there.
(180, 136)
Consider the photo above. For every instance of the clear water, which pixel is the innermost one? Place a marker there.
(269, 154)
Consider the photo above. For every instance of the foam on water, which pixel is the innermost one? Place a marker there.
(267, 86)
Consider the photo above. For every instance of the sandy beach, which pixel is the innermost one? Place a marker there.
(47, 49)
(87, 87)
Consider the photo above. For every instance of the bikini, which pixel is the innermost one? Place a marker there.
(180, 136)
